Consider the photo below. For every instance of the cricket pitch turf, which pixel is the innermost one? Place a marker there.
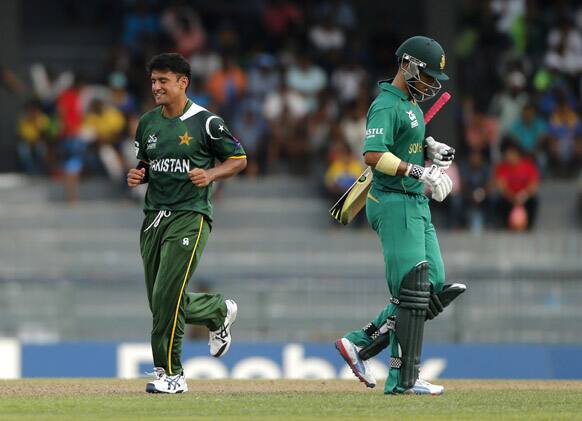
(112, 399)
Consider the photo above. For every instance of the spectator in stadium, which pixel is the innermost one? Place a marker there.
(279, 19)
(70, 114)
(181, 22)
(507, 105)
(250, 126)
(226, 86)
(103, 127)
(343, 170)
(529, 129)
(327, 36)
(263, 77)
(353, 125)
(564, 126)
(121, 98)
(517, 181)
(307, 78)
(33, 130)
(140, 26)
(476, 190)
(284, 98)
(347, 80)
(205, 62)
(481, 133)
(341, 12)
(565, 48)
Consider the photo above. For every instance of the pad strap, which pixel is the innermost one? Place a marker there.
(395, 362)
(370, 330)
(380, 339)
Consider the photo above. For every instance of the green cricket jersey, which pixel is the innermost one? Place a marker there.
(174, 146)
(395, 124)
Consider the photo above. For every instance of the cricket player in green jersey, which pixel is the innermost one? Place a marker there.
(182, 148)
(397, 209)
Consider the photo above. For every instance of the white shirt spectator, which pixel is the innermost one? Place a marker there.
(327, 37)
(275, 101)
(205, 63)
(347, 80)
(354, 131)
(569, 58)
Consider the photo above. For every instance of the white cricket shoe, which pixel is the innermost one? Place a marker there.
(361, 368)
(166, 384)
(422, 387)
(219, 340)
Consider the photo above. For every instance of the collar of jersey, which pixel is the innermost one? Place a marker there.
(386, 85)
(186, 108)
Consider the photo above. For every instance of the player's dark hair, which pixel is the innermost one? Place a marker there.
(508, 143)
(170, 62)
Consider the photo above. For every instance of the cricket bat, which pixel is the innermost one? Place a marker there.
(354, 199)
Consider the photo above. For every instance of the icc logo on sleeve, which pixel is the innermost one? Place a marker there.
(413, 120)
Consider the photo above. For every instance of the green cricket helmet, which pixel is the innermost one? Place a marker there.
(425, 55)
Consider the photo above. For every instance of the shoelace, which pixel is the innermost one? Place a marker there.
(158, 372)
(173, 381)
(222, 332)
(161, 214)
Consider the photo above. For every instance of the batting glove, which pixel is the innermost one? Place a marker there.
(439, 153)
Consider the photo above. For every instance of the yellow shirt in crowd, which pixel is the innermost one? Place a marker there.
(108, 125)
(32, 128)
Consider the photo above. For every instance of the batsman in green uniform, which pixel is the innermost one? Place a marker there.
(397, 209)
(182, 148)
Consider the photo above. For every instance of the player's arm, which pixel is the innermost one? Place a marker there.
(386, 162)
(226, 148)
(226, 169)
(139, 174)
(438, 181)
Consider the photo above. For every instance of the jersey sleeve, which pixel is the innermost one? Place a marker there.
(222, 143)
(380, 130)
(139, 143)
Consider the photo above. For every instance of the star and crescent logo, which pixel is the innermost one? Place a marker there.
(185, 139)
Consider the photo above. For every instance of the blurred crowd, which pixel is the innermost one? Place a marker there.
(294, 81)
(520, 76)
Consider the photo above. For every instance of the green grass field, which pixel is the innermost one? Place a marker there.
(109, 399)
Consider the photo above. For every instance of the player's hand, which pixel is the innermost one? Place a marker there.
(439, 153)
(443, 188)
(200, 177)
(135, 177)
(435, 178)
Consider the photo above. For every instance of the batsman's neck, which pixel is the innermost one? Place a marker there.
(400, 83)
(175, 108)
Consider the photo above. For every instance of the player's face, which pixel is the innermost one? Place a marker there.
(167, 86)
(428, 82)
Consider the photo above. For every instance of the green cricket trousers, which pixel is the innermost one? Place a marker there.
(171, 244)
(403, 223)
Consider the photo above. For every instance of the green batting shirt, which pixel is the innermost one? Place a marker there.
(174, 146)
(395, 124)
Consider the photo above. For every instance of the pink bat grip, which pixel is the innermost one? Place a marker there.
(436, 107)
